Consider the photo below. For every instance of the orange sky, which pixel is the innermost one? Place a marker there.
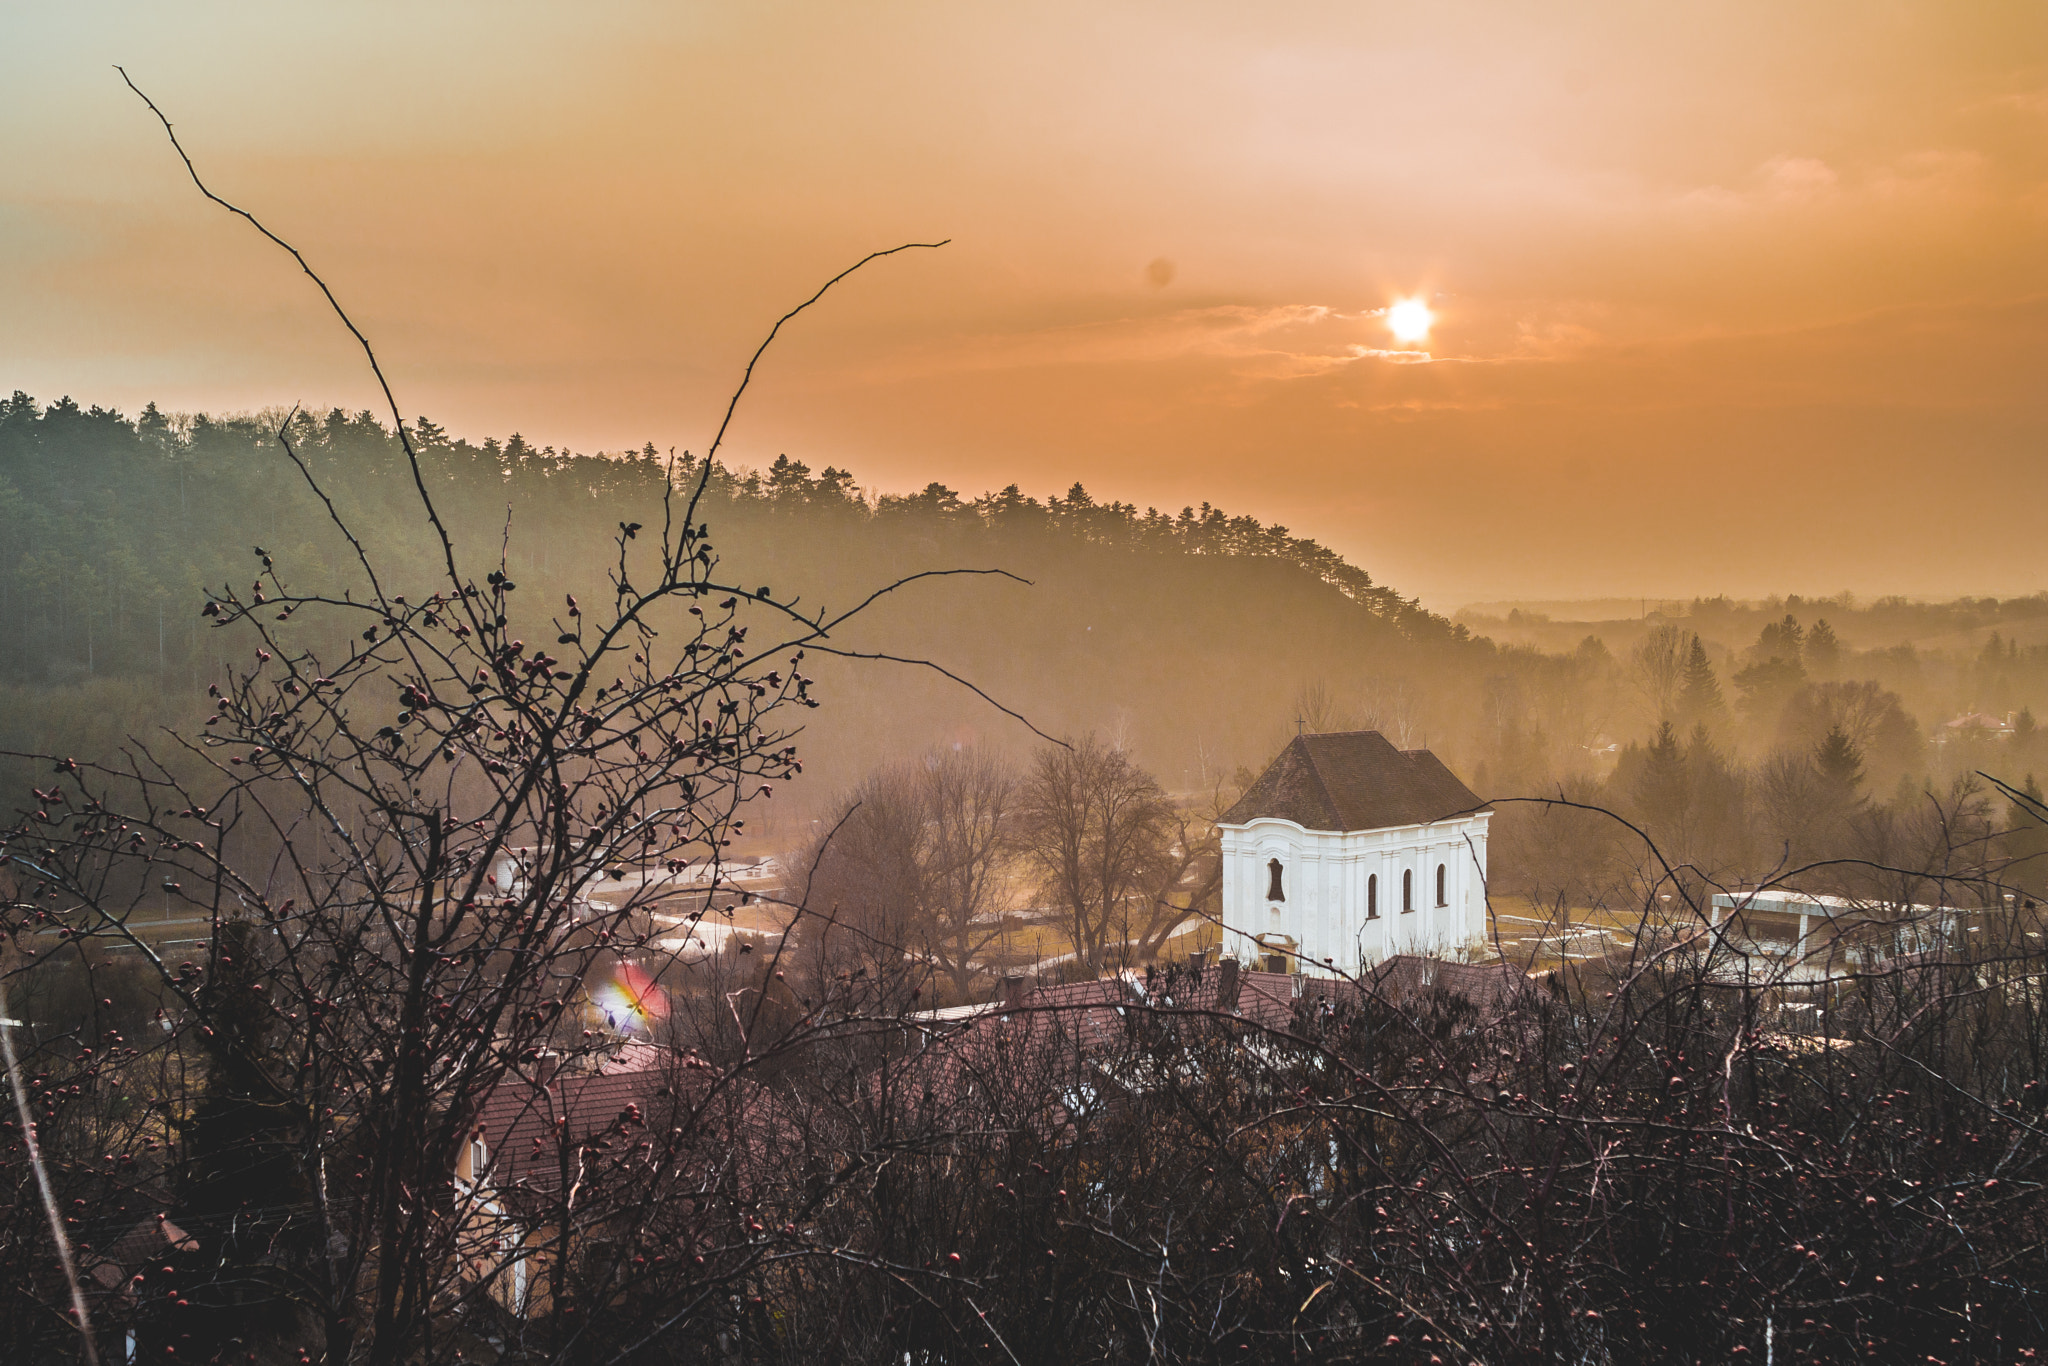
(1731, 297)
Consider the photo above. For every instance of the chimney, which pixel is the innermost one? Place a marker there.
(546, 1067)
(1226, 985)
(1013, 992)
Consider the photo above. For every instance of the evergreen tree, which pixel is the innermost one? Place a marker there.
(1780, 640)
(429, 435)
(1823, 650)
(1700, 703)
(153, 425)
(241, 1190)
(1766, 686)
(1715, 799)
(789, 484)
(2026, 734)
(1659, 788)
(1840, 764)
(2026, 841)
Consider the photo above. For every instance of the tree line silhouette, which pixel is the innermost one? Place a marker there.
(105, 521)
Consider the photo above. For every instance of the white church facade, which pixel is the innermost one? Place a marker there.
(1347, 851)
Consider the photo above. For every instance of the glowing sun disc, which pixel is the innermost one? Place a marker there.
(1409, 320)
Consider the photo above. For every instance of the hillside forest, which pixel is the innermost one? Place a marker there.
(1741, 735)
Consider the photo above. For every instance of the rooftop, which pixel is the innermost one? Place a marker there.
(1784, 901)
(1354, 780)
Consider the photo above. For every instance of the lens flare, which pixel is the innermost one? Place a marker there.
(631, 1001)
(1409, 320)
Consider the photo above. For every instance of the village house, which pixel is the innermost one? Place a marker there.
(1978, 725)
(1347, 852)
(553, 1162)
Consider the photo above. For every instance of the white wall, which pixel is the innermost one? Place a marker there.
(1324, 877)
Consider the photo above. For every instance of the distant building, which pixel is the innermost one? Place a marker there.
(1978, 725)
(1348, 851)
(1799, 938)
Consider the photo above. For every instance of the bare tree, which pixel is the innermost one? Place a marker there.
(970, 801)
(1187, 880)
(1388, 706)
(1316, 707)
(915, 863)
(1657, 668)
(1097, 828)
(866, 876)
(1871, 717)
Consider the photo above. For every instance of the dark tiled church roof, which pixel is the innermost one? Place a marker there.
(1354, 780)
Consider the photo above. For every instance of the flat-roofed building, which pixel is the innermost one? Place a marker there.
(1800, 937)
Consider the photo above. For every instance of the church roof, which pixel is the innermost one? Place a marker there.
(1354, 780)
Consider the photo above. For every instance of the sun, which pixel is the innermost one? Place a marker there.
(1409, 320)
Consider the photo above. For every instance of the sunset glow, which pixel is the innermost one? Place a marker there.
(1779, 257)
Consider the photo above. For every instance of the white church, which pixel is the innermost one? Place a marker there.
(1347, 851)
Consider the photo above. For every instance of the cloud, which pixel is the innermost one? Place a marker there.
(1939, 174)
(1801, 184)
(1783, 181)
(1799, 178)
(1255, 341)
(2031, 102)
(1397, 357)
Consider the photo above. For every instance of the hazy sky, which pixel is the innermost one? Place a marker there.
(1729, 297)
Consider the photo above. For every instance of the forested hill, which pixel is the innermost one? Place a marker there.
(1191, 635)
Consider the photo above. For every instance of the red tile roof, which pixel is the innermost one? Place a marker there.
(529, 1129)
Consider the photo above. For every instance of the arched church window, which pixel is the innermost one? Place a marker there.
(1407, 889)
(1440, 886)
(1274, 891)
(1372, 896)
